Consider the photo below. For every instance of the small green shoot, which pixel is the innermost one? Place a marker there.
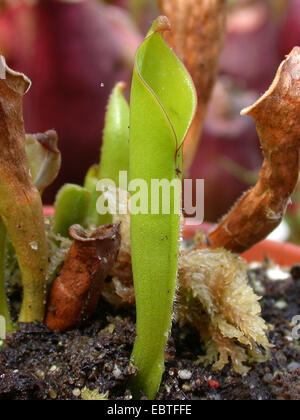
(71, 207)
(115, 147)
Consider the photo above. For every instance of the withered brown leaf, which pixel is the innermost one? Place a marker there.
(76, 291)
(262, 208)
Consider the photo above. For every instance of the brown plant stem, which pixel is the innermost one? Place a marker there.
(76, 291)
(262, 208)
(197, 37)
(20, 203)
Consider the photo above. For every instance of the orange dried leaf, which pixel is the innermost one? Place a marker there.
(76, 291)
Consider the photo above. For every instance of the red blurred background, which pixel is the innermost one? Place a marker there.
(75, 51)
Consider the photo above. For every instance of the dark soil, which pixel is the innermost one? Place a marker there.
(36, 363)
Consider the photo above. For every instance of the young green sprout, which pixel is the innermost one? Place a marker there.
(115, 147)
(90, 184)
(71, 208)
(162, 107)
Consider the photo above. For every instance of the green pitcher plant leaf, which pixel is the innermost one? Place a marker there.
(115, 149)
(115, 146)
(90, 183)
(162, 106)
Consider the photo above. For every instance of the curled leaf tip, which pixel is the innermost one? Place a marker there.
(121, 86)
(161, 24)
(23, 82)
(49, 140)
(78, 233)
(286, 83)
(43, 157)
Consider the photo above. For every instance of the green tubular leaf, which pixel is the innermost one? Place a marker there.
(162, 106)
(115, 149)
(115, 153)
(71, 207)
(90, 183)
(91, 178)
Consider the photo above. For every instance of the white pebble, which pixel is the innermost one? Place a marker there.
(76, 392)
(184, 374)
(277, 274)
(281, 304)
(117, 372)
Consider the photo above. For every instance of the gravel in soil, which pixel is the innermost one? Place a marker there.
(93, 362)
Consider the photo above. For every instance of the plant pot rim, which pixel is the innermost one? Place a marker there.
(283, 254)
